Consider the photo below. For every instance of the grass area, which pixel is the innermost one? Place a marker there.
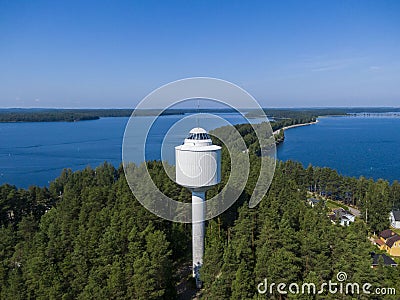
(329, 203)
(395, 258)
(332, 205)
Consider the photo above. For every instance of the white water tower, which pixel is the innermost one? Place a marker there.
(198, 167)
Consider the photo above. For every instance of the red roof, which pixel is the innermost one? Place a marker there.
(379, 242)
(386, 234)
(390, 242)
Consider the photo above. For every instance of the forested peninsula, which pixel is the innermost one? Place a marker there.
(87, 237)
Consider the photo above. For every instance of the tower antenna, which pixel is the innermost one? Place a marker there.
(198, 112)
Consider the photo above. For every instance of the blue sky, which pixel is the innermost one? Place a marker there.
(285, 53)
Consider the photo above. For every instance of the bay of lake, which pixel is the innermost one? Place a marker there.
(36, 153)
(354, 146)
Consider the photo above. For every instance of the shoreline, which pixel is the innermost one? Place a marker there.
(295, 125)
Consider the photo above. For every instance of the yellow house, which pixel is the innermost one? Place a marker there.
(393, 245)
(389, 241)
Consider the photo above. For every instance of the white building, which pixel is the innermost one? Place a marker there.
(395, 218)
(312, 201)
(344, 217)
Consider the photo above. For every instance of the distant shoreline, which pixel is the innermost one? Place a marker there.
(76, 115)
(14, 115)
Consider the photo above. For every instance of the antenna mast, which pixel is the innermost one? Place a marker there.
(198, 111)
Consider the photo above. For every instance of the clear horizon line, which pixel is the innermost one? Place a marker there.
(213, 108)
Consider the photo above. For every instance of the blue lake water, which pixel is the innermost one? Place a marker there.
(355, 146)
(35, 153)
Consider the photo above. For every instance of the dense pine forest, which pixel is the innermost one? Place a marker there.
(87, 237)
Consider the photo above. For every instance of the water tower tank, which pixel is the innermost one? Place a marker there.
(198, 161)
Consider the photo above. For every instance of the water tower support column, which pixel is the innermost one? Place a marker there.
(198, 213)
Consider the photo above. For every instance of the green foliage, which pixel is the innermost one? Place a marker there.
(96, 242)
(285, 240)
